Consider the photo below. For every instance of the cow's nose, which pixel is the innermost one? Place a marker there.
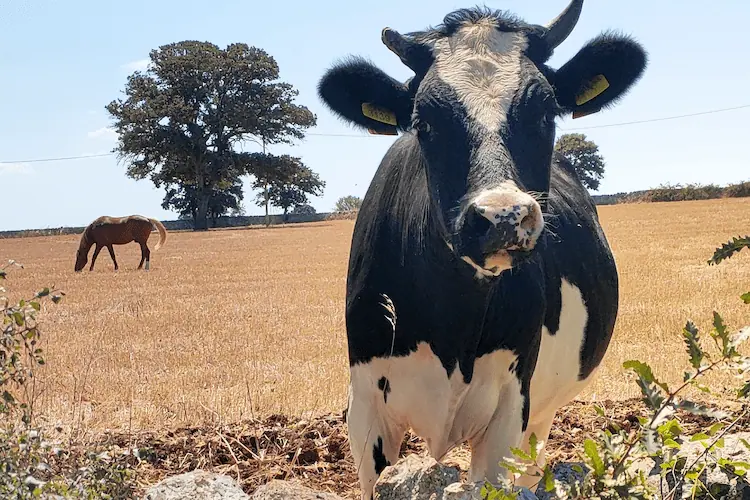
(504, 226)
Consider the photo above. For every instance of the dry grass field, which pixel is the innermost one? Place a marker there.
(231, 324)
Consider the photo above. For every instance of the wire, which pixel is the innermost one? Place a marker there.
(38, 160)
(658, 119)
(651, 120)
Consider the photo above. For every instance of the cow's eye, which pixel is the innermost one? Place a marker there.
(422, 127)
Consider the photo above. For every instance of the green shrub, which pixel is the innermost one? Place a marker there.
(29, 464)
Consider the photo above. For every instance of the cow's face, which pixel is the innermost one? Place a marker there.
(484, 116)
(482, 105)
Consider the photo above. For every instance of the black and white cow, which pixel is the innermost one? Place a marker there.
(501, 289)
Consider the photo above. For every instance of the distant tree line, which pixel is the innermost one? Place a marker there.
(677, 192)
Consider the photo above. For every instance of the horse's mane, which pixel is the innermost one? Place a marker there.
(85, 242)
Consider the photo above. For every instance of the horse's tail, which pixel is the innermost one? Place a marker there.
(162, 233)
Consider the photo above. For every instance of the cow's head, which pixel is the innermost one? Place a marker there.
(482, 104)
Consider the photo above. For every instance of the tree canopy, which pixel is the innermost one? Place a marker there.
(288, 184)
(184, 119)
(584, 156)
(347, 204)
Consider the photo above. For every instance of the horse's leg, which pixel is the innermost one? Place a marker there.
(148, 256)
(145, 254)
(96, 254)
(112, 254)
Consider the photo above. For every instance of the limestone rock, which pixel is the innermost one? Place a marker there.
(196, 485)
(289, 490)
(415, 478)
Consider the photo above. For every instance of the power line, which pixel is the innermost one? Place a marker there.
(38, 160)
(367, 136)
(659, 119)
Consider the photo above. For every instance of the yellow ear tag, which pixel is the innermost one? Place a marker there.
(596, 86)
(386, 132)
(378, 114)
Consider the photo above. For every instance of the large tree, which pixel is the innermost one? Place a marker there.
(183, 120)
(584, 156)
(292, 189)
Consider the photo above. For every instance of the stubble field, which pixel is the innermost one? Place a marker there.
(245, 323)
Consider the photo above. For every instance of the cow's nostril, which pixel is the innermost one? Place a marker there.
(527, 223)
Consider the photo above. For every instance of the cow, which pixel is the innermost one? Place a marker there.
(481, 293)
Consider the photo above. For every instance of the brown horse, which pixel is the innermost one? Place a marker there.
(107, 231)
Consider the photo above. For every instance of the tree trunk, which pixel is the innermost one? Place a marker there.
(286, 214)
(268, 220)
(201, 219)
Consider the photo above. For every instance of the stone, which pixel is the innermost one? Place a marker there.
(196, 485)
(565, 473)
(415, 478)
(288, 490)
(721, 485)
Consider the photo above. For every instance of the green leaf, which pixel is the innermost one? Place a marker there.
(701, 436)
(642, 369)
(18, 317)
(745, 297)
(548, 479)
(518, 452)
(35, 305)
(533, 443)
(728, 249)
(599, 410)
(691, 334)
(715, 428)
(699, 409)
(589, 448)
(8, 397)
(720, 332)
(43, 293)
(56, 299)
(744, 391)
(671, 443)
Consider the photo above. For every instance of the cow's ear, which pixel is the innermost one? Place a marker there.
(600, 74)
(366, 96)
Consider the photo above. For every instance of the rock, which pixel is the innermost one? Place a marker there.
(462, 491)
(472, 491)
(415, 478)
(564, 473)
(719, 483)
(423, 478)
(196, 485)
(288, 490)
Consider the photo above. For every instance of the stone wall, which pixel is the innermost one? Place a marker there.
(184, 225)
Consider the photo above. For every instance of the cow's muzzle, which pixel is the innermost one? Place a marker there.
(496, 225)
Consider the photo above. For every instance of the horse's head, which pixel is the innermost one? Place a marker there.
(82, 256)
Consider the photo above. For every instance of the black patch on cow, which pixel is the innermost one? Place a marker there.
(385, 386)
(378, 457)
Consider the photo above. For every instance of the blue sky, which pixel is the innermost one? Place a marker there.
(62, 62)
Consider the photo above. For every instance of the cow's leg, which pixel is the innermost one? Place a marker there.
(112, 254)
(96, 254)
(540, 428)
(374, 439)
(505, 430)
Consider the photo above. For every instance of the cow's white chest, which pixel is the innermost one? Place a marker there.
(444, 411)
